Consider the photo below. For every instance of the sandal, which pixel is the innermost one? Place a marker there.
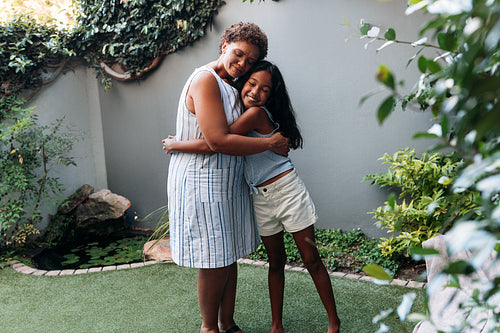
(234, 329)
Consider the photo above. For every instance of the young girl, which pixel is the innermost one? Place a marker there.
(281, 200)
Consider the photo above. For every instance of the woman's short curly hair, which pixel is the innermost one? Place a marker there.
(248, 32)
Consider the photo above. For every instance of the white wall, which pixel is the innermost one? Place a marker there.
(75, 96)
(326, 77)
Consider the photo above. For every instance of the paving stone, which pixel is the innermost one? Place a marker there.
(150, 262)
(53, 273)
(39, 272)
(95, 269)
(338, 274)
(136, 264)
(352, 276)
(109, 268)
(259, 263)
(81, 271)
(366, 278)
(298, 269)
(18, 265)
(26, 270)
(245, 261)
(67, 272)
(124, 266)
(398, 282)
(415, 284)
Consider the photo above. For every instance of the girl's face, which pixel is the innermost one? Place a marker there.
(257, 89)
(238, 57)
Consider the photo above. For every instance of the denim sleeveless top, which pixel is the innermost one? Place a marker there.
(266, 165)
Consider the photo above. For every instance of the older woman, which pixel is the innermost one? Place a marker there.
(210, 212)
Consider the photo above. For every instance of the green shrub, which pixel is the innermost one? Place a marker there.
(425, 207)
(338, 249)
(28, 152)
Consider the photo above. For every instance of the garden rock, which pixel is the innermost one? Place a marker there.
(101, 206)
(85, 217)
(159, 251)
(76, 199)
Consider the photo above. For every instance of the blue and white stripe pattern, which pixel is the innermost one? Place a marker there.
(210, 210)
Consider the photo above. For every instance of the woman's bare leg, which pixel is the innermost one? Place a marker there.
(311, 259)
(212, 288)
(226, 310)
(276, 278)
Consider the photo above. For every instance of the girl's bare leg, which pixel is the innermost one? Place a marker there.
(311, 259)
(276, 278)
(212, 289)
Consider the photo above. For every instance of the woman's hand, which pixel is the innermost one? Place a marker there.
(280, 144)
(167, 144)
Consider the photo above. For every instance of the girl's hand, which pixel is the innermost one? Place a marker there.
(280, 144)
(167, 144)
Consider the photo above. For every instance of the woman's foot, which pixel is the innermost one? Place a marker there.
(233, 329)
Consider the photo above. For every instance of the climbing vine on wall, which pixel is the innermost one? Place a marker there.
(123, 39)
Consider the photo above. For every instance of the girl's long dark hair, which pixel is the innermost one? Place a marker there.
(279, 103)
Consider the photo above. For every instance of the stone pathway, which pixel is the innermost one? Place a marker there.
(22, 268)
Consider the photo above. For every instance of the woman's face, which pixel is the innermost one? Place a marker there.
(257, 89)
(238, 57)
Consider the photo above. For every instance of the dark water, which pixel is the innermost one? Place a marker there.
(111, 249)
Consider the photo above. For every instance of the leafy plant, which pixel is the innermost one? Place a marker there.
(425, 208)
(27, 48)
(132, 35)
(338, 249)
(28, 153)
(461, 87)
(122, 251)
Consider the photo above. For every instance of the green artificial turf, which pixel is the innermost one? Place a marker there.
(162, 298)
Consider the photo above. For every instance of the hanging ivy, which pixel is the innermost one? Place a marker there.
(28, 53)
(123, 39)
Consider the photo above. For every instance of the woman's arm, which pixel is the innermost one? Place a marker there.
(254, 118)
(204, 96)
(195, 146)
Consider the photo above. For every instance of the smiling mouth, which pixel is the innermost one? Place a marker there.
(238, 71)
(252, 100)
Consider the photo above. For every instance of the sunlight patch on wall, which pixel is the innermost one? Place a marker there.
(57, 12)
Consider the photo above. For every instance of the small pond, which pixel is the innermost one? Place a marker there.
(114, 249)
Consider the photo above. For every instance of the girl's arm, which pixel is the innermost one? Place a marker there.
(204, 96)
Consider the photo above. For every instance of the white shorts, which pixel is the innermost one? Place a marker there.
(284, 204)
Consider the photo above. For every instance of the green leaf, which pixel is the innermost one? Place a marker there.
(377, 272)
(444, 125)
(424, 135)
(459, 267)
(433, 66)
(385, 76)
(447, 41)
(390, 34)
(391, 201)
(422, 64)
(386, 108)
(420, 251)
(364, 29)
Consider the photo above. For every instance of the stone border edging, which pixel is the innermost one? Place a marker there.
(22, 268)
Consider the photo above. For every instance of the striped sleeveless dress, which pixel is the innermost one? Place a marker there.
(210, 210)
